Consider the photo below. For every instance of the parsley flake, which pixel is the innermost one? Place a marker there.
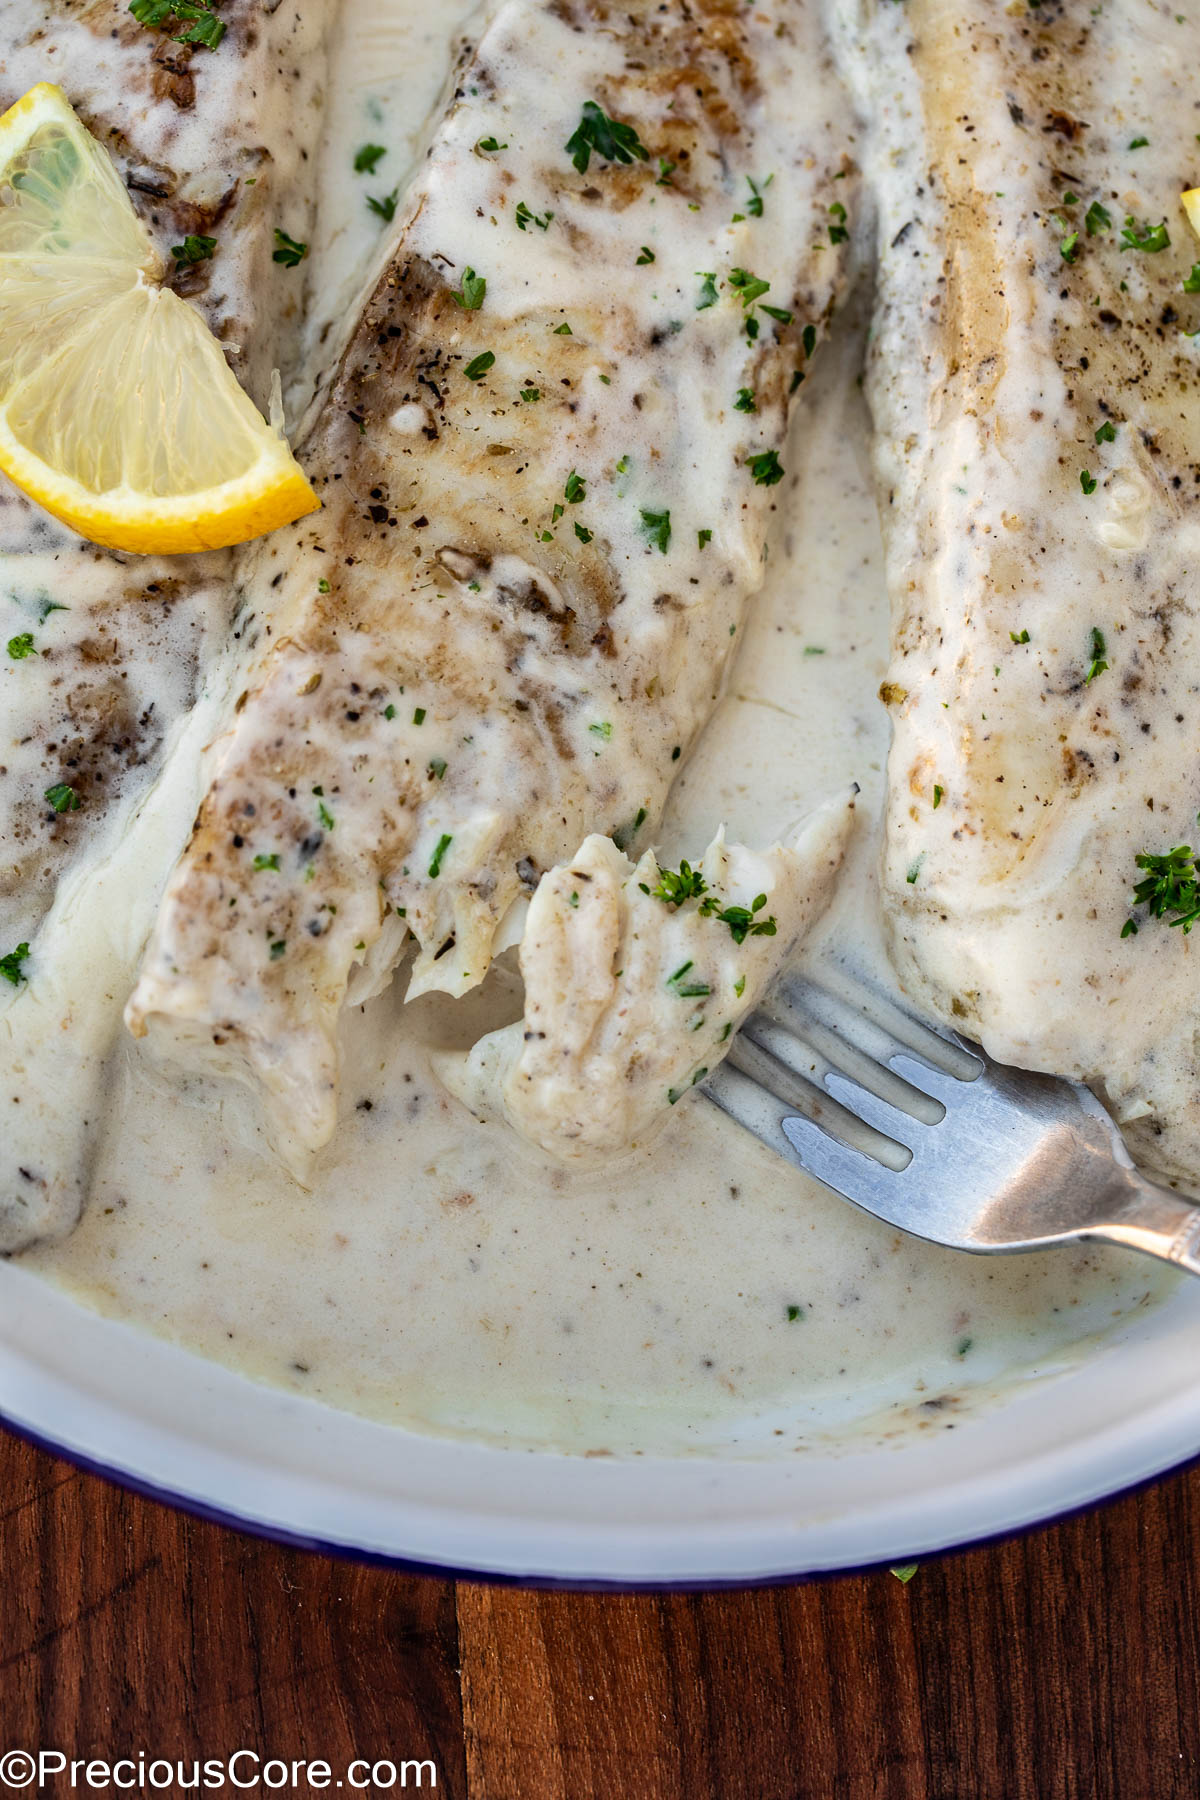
(470, 296)
(479, 365)
(1150, 238)
(384, 207)
(288, 250)
(366, 158)
(10, 965)
(647, 256)
(195, 248)
(21, 646)
(766, 468)
(1106, 433)
(657, 526)
(745, 401)
(62, 797)
(435, 867)
(1097, 219)
(609, 138)
(267, 862)
(1087, 481)
(1098, 665)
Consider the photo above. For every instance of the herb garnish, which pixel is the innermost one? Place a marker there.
(289, 251)
(479, 365)
(437, 768)
(21, 646)
(1019, 637)
(766, 468)
(470, 296)
(489, 144)
(665, 171)
(647, 256)
(1087, 481)
(658, 526)
(575, 490)
(838, 233)
(937, 796)
(531, 394)
(754, 206)
(702, 538)
(674, 1094)
(1098, 664)
(62, 797)
(1171, 885)
(583, 534)
(609, 138)
(745, 401)
(1191, 283)
(200, 24)
(366, 158)
(385, 206)
(524, 217)
(1097, 219)
(195, 248)
(267, 862)
(674, 886)
(708, 290)
(10, 965)
(435, 867)
(1138, 143)
(740, 919)
(1145, 237)
(692, 990)
(1106, 433)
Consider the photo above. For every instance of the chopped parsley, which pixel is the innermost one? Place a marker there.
(1138, 143)
(937, 796)
(766, 468)
(1191, 283)
(745, 401)
(647, 256)
(1098, 664)
(914, 869)
(389, 711)
(325, 816)
(665, 171)
(62, 797)
(794, 1313)
(582, 533)
(470, 296)
(278, 948)
(267, 862)
(531, 394)
(435, 867)
(322, 586)
(437, 768)
(657, 526)
(563, 330)
(200, 24)
(524, 218)
(575, 490)
(384, 207)
(1150, 238)
(1106, 433)
(838, 233)
(674, 1094)
(749, 286)
(740, 919)
(419, 716)
(754, 206)
(808, 338)
(674, 886)
(609, 138)
(1069, 246)
(10, 965)
(1087, 481)
(739, 986)
(195, 248)
(288, 250)
(708, 289)
(1171, 884)
(1097, 219)
(21, 646)
(691, 990)
(489, 144)
(479, 365)
(703, 538)
(601, 729)
(366, 158)
(1019, 637)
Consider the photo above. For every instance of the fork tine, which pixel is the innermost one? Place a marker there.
(848, 1172)
(875, 1023)
(880, 1114)
(934, 1082)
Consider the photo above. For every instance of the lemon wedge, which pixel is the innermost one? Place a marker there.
(118, 411)
(1191, 206)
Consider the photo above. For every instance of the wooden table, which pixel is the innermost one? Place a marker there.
(1061, 1664)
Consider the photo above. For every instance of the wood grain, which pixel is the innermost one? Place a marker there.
(1060, 1666)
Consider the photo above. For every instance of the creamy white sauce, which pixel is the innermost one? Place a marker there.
(444, 1275)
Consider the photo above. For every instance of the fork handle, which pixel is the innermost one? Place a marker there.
(1155, 1220)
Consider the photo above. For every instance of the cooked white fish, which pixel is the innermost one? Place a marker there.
(548, 465)
(1038, 404)
(635, 984)
(211, 143)
(101, 654)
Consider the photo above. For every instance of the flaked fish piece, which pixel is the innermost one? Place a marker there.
(548, 465)
(1037, 397)
(636, 980)
(101, 654)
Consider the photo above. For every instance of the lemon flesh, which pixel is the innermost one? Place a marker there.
(1191, 206)
(118, 411)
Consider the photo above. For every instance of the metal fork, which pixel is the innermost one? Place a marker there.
(921, 1128)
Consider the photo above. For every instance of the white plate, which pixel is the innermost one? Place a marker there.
(170, 1423)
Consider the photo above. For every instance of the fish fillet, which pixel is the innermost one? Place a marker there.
(546, 500)
(632, 998)
(219, 143)
(1036, 390)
